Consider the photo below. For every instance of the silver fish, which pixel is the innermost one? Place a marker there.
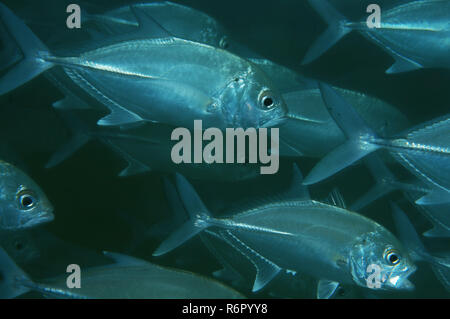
(145, 149)
(157, 80)
(23, 204)
(424, 150)
(182, 21)
(128, 277)
(309, 123)
(386, 182)
(415, 34)
(320, 240)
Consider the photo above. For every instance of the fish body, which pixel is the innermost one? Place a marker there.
(416, 33)
(320, 240)
(23, 204)
(145, 149)
(309, 123)
(127, 278)
(165, 79)
(182, 21)
(386, 182)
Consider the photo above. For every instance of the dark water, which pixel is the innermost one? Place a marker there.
(93, 206)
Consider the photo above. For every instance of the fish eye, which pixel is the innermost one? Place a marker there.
(26, 200)
(223, 43)
(266, 100)
(392, 257)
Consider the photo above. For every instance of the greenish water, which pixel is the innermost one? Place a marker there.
(93, 206)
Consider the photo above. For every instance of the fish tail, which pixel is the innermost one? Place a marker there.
(360, 138)
(12, 278)
(199, 217)
(33, 49)
(80, 137)
(337, 29)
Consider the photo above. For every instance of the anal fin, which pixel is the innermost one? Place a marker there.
(265, 269)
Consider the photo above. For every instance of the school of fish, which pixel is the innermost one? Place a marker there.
(141, 70)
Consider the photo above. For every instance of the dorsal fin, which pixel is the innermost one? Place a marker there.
(149, 25)
(335, 198)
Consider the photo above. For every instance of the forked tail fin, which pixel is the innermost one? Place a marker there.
(32, 48)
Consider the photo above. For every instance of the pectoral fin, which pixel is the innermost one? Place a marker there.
(326, 289)
(119, 117)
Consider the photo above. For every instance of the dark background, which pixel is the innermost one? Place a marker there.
(92, 204)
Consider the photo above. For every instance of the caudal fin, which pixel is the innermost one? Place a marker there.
(337, 29)
(10, 275)
(198, 217)
(32, 48)
(356, 130)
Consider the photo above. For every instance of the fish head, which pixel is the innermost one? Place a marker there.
(379, 261)
(23, 204)
(249, 101)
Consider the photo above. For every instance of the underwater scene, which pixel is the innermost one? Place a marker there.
(210, 149)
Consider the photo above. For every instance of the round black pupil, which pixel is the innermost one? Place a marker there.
(27, 201)
(268, 102)
(393, 258)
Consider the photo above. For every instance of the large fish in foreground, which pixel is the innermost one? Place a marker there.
(424, 150)
(415, 34)
(320, 240)
(23, 204)
(128, 277)
(164, 79)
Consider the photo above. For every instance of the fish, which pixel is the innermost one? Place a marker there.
(314, 238)
(424, 149)
(237, 271)
(308, 122)
(145, 149)
(182, 21)
(127, 277)
(415, 34)
(386, 182)
(23, 204)
(418, 251)
(168, 76)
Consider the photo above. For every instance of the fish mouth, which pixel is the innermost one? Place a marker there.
(401, 281)
(275, 122)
